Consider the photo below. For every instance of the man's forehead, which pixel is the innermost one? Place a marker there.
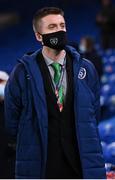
(53, 18)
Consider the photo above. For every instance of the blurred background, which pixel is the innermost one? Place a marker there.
(91, 30)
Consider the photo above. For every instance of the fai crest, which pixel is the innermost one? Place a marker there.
(82, 73)
(54, 41)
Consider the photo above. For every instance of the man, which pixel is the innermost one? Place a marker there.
(4, 173)
(51, 105)
(105, 20)
(87, 50)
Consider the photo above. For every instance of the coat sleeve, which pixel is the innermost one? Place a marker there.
(13, 101)
(94, 84)
(96, 89)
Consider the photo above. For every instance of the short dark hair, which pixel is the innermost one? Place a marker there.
(44, 12)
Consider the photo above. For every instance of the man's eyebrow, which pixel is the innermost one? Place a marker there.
(62, 23)
(52, 24)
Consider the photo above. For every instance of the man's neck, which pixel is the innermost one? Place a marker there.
(53, 54)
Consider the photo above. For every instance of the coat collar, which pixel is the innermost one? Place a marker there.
(34, 73)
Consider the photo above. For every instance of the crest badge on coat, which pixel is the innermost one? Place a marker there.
(82, 73)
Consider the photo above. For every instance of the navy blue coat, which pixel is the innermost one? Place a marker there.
(27, 117)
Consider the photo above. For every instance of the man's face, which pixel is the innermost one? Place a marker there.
(51, 23)
(106, 2)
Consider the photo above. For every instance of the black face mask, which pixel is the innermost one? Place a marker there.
(56, 40)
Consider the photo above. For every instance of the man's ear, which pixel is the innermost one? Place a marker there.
(38, 36)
